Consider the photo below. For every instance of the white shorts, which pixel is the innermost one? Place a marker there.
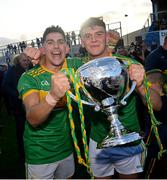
(103, 165)
(59, 170)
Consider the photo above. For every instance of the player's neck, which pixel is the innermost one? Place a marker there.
(104, 54)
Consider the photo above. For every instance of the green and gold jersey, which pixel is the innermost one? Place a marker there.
(50, 141)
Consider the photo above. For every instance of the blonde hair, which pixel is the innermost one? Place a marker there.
(16, 58)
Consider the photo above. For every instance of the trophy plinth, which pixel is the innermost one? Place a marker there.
(117, 135)
(107, 82)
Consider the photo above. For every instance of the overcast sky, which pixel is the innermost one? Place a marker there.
(27, 19)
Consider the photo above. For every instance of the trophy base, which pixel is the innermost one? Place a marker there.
(116, 141)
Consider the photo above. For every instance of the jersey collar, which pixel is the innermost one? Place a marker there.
(64, 66)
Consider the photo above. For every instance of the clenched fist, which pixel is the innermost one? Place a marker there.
(34, 54)
(136, 73)
(59, 85)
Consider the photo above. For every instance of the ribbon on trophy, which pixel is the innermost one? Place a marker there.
(76, 82)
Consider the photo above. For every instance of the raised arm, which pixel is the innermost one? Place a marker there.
(34, 54)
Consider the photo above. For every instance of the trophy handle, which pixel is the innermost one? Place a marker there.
(123, 102)
(83, 101)
(91, 103)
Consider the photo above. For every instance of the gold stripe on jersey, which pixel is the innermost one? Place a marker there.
(36, 72)
(42, 94)
(64, 66)
(28, 93)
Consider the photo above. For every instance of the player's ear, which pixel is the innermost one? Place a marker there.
(82, 43)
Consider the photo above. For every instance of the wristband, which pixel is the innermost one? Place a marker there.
(50, 100)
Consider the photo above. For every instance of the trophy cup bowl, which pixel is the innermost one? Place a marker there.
(106, 82)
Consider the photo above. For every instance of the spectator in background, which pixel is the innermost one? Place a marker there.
(68, 39)
(24, 45)
(41, 40)
(157, 59)
(38, 42)
(3, 69)
(8, 56)
(156, 80)
(20, 47)
(145, 50)
(15, 49)
(163, 23)
(32, 44)
(82, 52)
(153, 45)
(136, 53)
(21, 63)
(73, 37)
(122, 51)
(10, 47)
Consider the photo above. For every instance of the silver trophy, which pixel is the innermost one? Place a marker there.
(106, 84)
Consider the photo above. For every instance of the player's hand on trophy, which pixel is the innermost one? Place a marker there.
(59, 85)
(136, 73)
(34, 54)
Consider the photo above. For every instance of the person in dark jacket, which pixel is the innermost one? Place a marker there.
(21, 63)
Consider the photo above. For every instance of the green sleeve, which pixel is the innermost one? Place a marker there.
(26, 84)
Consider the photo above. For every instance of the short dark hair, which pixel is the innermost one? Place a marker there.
(155, 76)
(92, 21)
(53, 29)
